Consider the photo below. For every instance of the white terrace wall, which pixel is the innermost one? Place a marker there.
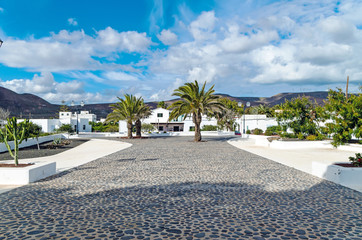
(32, 141)
(256, 121)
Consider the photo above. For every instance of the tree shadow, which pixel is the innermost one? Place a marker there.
(191, 210)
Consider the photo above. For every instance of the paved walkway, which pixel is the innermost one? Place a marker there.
(300, 159)
(173, 188)
(86, 152)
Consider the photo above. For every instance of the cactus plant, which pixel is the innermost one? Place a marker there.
(14, 132)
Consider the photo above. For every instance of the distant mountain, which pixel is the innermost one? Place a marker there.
(26, 105)
(31, 106)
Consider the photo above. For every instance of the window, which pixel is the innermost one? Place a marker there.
(160, 128)
(159, 115)
(83, 127)
(192, 128)
(62, 114)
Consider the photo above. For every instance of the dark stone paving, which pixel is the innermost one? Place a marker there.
(172, 188)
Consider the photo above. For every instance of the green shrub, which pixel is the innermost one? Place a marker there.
(147, 127)
(287, 135)
(248, 131)
(209, 128)
(300, 136)
(65, 128)
(311, 137)
(273, 130)
(257, 131)
(57, 141)
(321, 137)
(112, 128)
(356, 161)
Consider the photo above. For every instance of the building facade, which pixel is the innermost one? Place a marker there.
(159, 119)
(76, 120)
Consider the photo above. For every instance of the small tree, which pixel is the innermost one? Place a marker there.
(66, 128)
(4, 114)
(147, 127)
(300, 115)
(346, 115)
(14, 132)
(226, 116)
(34, 132)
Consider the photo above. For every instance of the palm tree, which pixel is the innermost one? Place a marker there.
(126, 109)
(195, 102)
(142, 112)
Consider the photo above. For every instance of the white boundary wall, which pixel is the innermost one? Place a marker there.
(25, 175)
(32, 141)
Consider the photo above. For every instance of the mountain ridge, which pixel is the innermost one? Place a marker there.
(28, 105)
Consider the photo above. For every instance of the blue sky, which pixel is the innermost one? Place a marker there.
(97, 50)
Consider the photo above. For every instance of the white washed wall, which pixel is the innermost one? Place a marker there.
(32, 141)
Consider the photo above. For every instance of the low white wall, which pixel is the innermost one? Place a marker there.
(349, 177)
(203, 133)
(300, 144)
(25, 175)
(32, 141)
(261, 140)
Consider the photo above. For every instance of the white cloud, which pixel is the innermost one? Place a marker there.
(46, 87)
(66, 36)
(131, 41)
(202, 28)
(120, 76)
(242, 43)
(72, 22)
(71, 50)
(1, 9)
(38, 85)
(167, 37)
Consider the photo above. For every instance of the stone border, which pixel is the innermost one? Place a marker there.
(19, 176)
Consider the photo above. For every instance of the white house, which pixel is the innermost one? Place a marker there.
(250, 122)
(159, 119)
(77, 120)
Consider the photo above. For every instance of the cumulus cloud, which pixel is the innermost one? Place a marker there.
(202, 28)
(120, 76)
(72, 22)
(38, 85)
(167, 37)
(131, 41)
(284, 43)
(71, 50)
(45, 86)
(1, 9)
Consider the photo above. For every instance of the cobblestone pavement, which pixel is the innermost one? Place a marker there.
(172, 188)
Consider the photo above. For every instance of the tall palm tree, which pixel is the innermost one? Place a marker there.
(126, 109)
(143, 112)
(195, 102)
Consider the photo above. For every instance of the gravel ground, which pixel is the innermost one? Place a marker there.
(173, 188)
(33, 152)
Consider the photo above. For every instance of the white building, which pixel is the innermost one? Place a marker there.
(159, 119)
(250, 122)
(77, 120)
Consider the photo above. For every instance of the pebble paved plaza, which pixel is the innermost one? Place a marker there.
(173, 188)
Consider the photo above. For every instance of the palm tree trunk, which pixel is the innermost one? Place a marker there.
(197, 120)
(138, 128)
(129, 127)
